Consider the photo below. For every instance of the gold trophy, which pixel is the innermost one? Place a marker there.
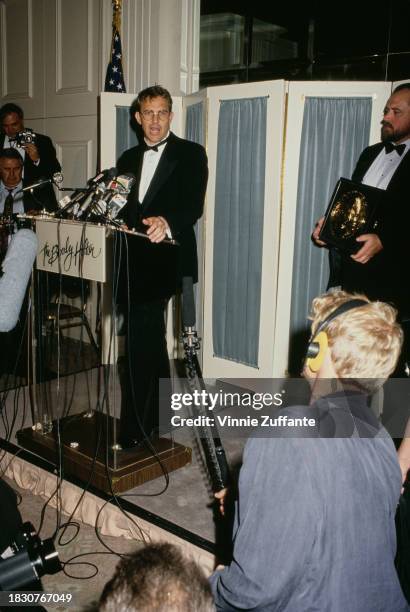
(352, 211)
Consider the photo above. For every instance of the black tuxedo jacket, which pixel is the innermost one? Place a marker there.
(48, 165)
(384, 277)
(176, 192)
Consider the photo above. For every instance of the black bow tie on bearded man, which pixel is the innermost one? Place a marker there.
(389, 146)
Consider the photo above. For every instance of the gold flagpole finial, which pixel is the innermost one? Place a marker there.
(116, 18)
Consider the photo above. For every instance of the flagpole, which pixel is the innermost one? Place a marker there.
(116, 18)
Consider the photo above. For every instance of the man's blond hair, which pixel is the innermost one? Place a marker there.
(364, 342)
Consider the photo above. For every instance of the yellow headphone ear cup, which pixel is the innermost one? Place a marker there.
(315, 363)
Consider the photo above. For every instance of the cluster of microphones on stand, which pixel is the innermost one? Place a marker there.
(100, 201)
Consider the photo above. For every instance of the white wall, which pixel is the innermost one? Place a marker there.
(54, 55)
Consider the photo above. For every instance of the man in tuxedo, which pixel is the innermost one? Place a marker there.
(39, 156)
(379, 267)
(165, 202)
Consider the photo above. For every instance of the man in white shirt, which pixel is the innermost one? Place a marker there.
(166, 200)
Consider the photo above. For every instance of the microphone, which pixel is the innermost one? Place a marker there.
(125, 182)
(97, 186)
(82, 196)
(16, 273)
(57, 178)
(119, 189)
(102, 177)
(68, 202)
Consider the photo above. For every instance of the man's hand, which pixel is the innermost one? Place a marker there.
(371, 246)
(157, 228)
(316, 231)
(32, 152)
(404, 467)
(221, 495)
(403, 454)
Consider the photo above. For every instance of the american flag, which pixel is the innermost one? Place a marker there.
(114, 78)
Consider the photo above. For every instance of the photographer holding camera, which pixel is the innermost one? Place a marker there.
(37, 150)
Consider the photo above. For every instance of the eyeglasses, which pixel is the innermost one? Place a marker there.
(150, 114)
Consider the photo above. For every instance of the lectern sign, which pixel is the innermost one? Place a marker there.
(72, 247)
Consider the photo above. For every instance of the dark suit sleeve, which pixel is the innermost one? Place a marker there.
(49, 163)
(192, 193)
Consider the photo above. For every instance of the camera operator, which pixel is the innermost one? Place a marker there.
(37, 150)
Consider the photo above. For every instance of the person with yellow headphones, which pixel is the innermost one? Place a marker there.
(314, 520)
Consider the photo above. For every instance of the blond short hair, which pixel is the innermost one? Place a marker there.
(365, 342)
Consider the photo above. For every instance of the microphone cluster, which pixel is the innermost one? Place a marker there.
(102, 198)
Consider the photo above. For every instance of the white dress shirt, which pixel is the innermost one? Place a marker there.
(149, 165)
(384, 166)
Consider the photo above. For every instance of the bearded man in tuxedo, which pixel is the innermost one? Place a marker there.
(377, 267)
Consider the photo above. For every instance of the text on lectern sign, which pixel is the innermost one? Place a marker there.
(72, 247)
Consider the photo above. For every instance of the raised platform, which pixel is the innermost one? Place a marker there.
(181, 505)
(87, 444)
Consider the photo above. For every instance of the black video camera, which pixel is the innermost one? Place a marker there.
(25, 137)
(26, 560)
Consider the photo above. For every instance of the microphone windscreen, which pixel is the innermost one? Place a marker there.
(125, 182)
(16, 267)
(57, 178)
(115, 205)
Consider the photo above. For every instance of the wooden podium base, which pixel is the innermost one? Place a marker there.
(87, 456)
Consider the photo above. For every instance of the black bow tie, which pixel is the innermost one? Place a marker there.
(154, 147)
(389, 146)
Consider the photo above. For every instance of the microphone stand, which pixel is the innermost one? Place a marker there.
(211, 443)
